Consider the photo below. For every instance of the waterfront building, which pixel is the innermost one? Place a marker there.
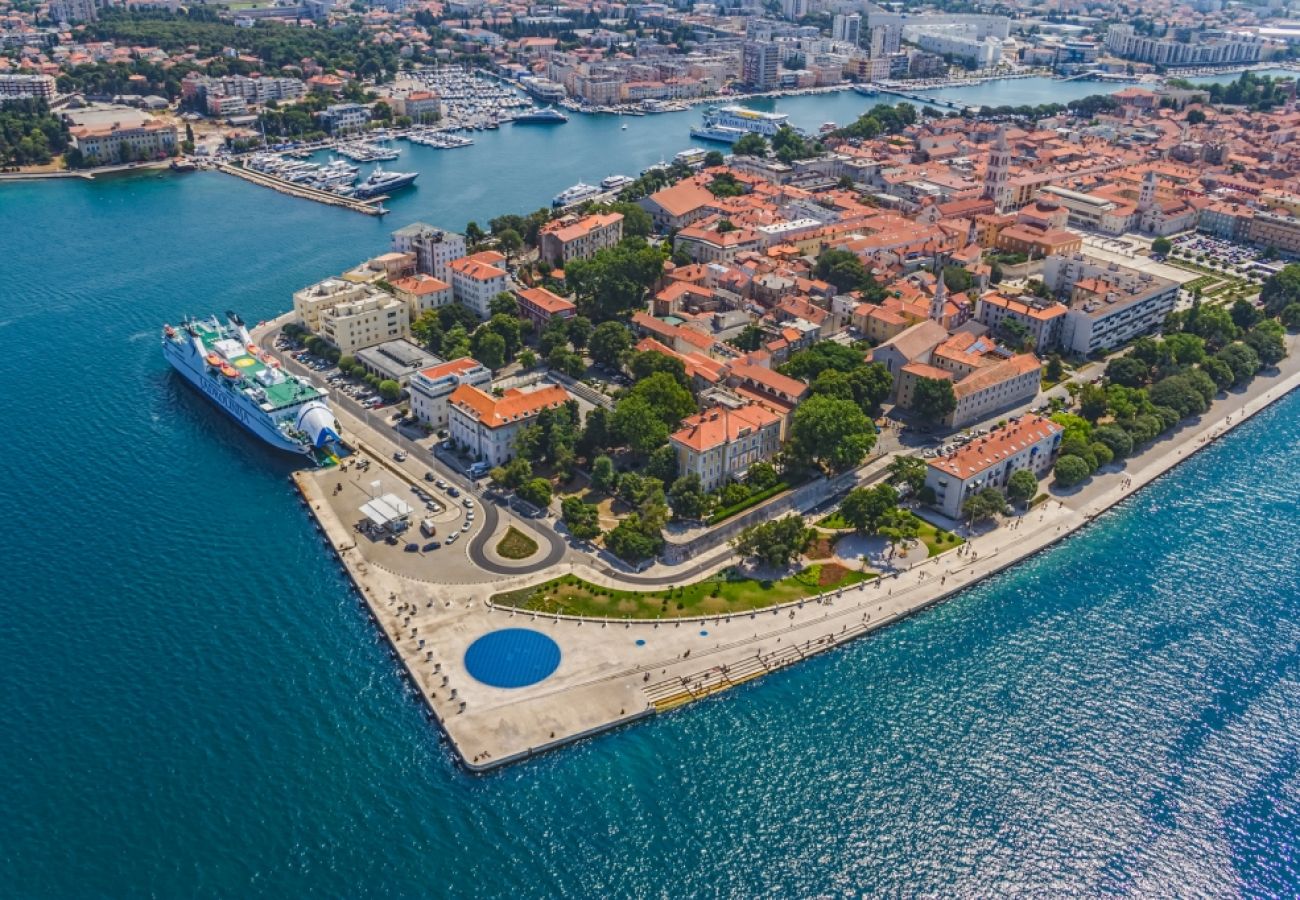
(759, 63)
(1273, 229)
(116, 142)
(883, 41)
(540, 306)
(344, 118)
(571, 237)
(395, 360)
(982, 53)
(356, 324)
(431, 388)
(1207, 48)
(485, 426)
(679, 205)
(310, 303)
(421, 106)
(476, 279)
(1030, 442)
(1109, 303)
(719, 444)
(434, 248)
(985, 379)
(26, 87)
(251, 90)
(422, 293)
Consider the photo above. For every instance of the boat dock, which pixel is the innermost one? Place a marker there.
(371, 207)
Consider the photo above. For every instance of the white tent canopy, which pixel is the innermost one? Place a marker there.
(386, 510)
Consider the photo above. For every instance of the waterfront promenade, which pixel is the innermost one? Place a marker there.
(615, 671)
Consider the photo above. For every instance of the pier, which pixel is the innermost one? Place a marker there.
(371, 207)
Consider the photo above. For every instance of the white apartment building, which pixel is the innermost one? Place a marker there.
(1109, 303)
(475, 280)
(358, 324)
(1030, 442)
(431, 389)
(434, 249)
(722, 442)
(26, 87)
(486, 426)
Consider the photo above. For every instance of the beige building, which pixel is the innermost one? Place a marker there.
(1030, 442)
(721, 443)
(115, 143)
(357, 324)
(311, 302)
(579, 238)
(486, 426)
(422, 293)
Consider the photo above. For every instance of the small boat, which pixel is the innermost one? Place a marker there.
(625, 126)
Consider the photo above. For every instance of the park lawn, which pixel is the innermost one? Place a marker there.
(930, 535)
(726, 592)
(516, 545)
(834, 521)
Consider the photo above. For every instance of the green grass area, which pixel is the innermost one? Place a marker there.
(938, 542)
(726, 592)
(834, 520)
(516, 545)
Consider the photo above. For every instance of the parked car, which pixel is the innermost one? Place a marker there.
(431, 546)
(411, 548)
(451, 538)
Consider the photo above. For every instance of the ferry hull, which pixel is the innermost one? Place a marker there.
(230, 404)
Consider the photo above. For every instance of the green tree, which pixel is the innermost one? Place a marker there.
(670, 401)
(1055, 368)
(687, 497)
(510, 242)
(1128, 371)
(582, 519)
(834, 433)
(390, 390)
(1161, 246)
(603, 475)
(503, 304)
(634, 539)
(528, 359)
(489, 348)
(1244, 314)
(536, 491)
(908, 470)
(1281, 290)
(775, 543)
(1116, 439)
(1022, 486)
(1267, 342)
(1242, 360)
(750, 144)
(615, 280)
(842, 269)
(638, 425)
(987, 504)
(898, 527)
(933, 399)
(865, 507)
(580, 330)
(1092, 402)
(714, 158)
(1290, 316)
(1070, 470)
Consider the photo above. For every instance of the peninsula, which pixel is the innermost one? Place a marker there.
(610, 458)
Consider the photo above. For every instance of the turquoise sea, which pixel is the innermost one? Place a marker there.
(193, 703)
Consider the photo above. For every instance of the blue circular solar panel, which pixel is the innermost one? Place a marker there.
(512, 658)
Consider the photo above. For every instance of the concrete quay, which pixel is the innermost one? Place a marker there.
(613, 672)
(373, 207)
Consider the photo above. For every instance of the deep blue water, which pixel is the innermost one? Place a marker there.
(193, 705)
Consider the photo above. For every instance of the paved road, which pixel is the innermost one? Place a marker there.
(381, 423)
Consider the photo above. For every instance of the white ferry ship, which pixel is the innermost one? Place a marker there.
(576, 194)
(282, 409)
(616, 182)
(728, 124)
